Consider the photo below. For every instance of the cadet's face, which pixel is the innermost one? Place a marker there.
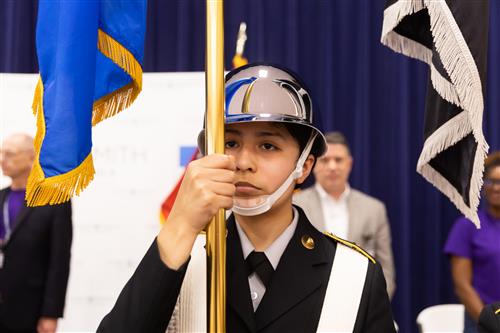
(332, 169)
(492, 187)
(14, 158)
(265, 155)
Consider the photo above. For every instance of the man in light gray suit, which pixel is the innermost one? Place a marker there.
(333, 206)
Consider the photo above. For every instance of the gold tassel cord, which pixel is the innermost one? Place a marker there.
(114, 103)
(58, 189)
(122, 98)
(351, 245)
(37, 99)
(53, 190)
(37, 108)
(239, 60)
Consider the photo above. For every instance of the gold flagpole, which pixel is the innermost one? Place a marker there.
(216, 231)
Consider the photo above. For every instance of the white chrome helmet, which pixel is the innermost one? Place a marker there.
(263, 92)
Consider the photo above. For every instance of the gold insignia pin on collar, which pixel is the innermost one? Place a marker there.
(307, 242)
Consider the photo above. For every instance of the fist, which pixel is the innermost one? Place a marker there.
(208, 186)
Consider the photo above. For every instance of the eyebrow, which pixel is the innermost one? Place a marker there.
(259, 134)
(232, 131)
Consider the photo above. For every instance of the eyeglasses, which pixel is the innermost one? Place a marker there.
(491, 182)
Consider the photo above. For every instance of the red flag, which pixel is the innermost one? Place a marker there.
(167, 205)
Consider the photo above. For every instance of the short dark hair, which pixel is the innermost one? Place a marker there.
(337, 138)
(301, 134)
(491, 162)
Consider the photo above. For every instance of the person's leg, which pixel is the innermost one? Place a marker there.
(470, 326)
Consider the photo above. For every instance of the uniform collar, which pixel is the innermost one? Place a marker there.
(276, 249)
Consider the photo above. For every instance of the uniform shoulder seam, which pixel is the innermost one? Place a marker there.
(350, 245)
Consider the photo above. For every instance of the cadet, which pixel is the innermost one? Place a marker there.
(282, 274)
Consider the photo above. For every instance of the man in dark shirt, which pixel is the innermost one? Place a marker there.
(35, 245)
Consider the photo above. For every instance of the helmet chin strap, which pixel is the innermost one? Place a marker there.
(270, 200)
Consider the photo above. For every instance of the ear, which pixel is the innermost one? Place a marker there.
(306, 169)
(351, 161)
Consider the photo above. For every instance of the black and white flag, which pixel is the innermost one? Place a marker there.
(451, 36)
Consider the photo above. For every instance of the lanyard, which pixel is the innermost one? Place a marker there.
(6, 220)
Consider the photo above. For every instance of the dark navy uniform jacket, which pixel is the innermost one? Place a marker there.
(292, 303)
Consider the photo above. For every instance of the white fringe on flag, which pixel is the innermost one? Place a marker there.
(464, 90)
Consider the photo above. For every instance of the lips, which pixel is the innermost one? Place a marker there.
(246, 189)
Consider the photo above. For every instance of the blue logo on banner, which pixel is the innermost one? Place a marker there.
(186, 152)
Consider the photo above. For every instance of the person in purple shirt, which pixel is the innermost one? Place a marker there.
(17, 155)
(475, 253)
(35, 248)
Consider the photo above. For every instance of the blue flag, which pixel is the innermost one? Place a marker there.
(90, 55)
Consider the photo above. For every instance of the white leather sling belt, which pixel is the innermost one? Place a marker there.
(340, 306)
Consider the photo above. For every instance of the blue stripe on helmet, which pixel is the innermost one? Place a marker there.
(232, 88)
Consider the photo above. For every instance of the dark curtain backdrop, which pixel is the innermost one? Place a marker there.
(373, 95)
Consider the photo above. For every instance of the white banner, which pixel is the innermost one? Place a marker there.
(137, 156)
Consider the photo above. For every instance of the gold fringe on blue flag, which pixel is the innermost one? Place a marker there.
(89, 72)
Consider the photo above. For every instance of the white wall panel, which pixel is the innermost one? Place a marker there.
(136, 157)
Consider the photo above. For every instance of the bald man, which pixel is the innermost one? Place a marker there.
(35, 248)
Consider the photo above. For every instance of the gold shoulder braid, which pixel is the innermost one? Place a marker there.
(350, 245)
